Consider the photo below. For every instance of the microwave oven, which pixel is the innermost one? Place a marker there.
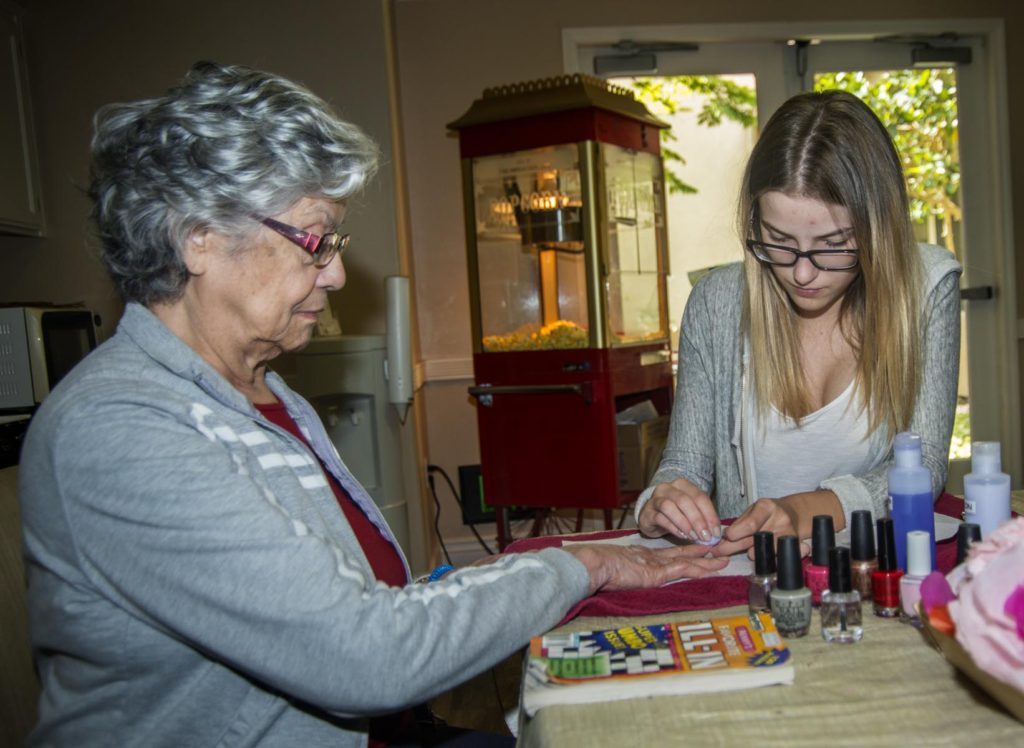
(38, 346)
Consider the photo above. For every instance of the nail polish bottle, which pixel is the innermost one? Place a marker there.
(885, 580)
(762, 581)
(823, 538)
(862, 552)
(966, 535)
(791, 601)
(919, 565)
(840, 603)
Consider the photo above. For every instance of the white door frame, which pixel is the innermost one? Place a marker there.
(984, 127)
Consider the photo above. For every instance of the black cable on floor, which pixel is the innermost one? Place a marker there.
(458, 500)
(437, 518)
(626, 511)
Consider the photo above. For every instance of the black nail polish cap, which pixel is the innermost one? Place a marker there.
(966, 534)
(823, 538)
(862, 544)
(764, 553)
(791, 573)
(839, 569)
(886, 544)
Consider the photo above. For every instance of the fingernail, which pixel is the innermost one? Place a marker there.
(718, 532)
(693, 535)
(705, 534)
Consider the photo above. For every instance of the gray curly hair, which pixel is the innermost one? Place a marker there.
(228, 143)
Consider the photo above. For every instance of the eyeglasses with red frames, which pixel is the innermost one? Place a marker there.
(322, 248)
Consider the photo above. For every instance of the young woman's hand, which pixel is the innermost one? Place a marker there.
(681, 509)
(772, 515)
(790, 515)
(619, 567)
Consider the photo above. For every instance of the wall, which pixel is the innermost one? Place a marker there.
(442, 72)
(84, 55)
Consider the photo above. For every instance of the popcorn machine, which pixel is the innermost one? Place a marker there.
(566, 242)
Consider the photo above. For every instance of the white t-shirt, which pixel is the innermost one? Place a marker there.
(830, 442)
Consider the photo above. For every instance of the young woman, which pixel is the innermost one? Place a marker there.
(798, 366)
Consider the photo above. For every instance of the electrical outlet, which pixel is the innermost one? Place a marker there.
(471, 489)
(474, 509)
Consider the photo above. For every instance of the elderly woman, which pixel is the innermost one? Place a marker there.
(203, 568)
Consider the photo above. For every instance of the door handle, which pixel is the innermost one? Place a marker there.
(977, 293)
(485, 393)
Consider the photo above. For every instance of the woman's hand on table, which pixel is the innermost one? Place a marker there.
(617, 567)
(790, 515)
(682, 510)
(771, 515)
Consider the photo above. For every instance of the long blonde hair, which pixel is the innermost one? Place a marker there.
(831, 147)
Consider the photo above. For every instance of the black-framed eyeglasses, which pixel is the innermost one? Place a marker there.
(823, 259)
(323, 248)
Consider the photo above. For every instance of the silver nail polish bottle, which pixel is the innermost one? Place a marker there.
(791, 600)
(761, 583)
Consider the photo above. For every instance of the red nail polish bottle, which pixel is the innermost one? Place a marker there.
(885, 580)
(823, 538)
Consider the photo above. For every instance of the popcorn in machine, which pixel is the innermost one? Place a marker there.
(566, 242)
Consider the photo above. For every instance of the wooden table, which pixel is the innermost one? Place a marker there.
(891, 688)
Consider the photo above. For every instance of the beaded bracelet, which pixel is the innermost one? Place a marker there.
(439, 572)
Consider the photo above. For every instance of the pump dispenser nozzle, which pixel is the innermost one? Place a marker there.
(907, 449)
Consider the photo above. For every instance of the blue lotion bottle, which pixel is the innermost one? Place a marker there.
(911, 504)
(986, 489)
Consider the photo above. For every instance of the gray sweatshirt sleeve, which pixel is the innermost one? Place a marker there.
(690, 447)
(933, 412)
(700, 432)
(153, 526)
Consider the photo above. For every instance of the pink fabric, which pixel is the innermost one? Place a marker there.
(989, 612)
(698, 594)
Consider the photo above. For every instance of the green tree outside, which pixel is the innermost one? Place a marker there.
(723, 99)
(918, 107)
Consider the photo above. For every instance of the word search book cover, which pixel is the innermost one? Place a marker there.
(673, 657)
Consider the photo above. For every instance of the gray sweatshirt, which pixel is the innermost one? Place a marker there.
(706, 436)
(192, 580)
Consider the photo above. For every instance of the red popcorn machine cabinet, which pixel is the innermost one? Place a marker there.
(566, 243)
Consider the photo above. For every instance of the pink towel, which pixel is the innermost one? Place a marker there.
(698, 594)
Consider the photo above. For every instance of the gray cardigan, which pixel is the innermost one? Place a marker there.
(705, 443)
(192, 580)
